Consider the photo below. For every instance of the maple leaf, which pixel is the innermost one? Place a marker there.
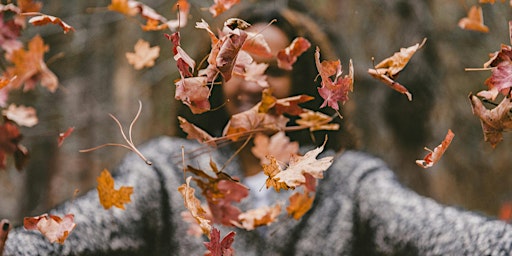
(316, 121)
(10, 138)
(333, 91)
(495, 121)
(288, 56)
(388, 69)
(221, 6)
(53, 227)
(21, 115)
(194, 93)
(279, 146)
(218, 247)
(194, 206)
(44, 19)
(262, 216)
(108, 195)
(300, 204)
(474, 21)
(144, 55)
(256, 45)
(30, 68)
(64, 135)
(220, 192)
(434, 156)
(271, 170)
(293, 176)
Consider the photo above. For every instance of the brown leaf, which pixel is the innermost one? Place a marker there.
(194, 206)
(194, 93)
(288, 56)
(221, 6)
(194, 132)
(300, 204)
(495, 121)
(317, 121)
(279, 146)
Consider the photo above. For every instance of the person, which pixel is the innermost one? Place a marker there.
(360, 208)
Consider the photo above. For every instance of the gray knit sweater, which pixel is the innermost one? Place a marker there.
(360, 209)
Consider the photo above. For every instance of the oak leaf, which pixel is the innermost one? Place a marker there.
(218, 247)
(108, 195)
(474, 21)
(53, 227)
(144, 55)
(434, 156)
(388, 69)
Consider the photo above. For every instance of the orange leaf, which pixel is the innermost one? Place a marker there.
(288, 56)
(194, 132)
(144, 56)
(474, 20)
(317, 121)
(29, 6)
(434, 156)
(123, 7)
(279, 146)
(53, 227)
(108, 195)
(30, 68)
(271, 170)
(45, 19)
(221, 6)
(300, 203)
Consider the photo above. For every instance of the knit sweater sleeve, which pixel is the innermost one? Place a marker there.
(144, 227)
(390, 219)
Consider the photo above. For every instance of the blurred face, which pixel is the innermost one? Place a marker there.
(242, 94)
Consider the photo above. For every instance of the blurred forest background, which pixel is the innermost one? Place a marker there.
(96, 79)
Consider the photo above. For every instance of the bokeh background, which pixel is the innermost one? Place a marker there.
(96, 79)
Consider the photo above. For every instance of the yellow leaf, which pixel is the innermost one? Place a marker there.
(108, 195)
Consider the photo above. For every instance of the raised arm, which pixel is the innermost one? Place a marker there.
(391, 219)
(145, 227)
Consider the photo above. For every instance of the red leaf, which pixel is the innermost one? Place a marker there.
(333, 91)
(288, 56)
(64, 135)
(217, 247)
(193, 92)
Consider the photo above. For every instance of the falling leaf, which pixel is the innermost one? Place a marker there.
(183, 7)
(262, 216)
(388, 69)
(218, 247)
(288, 56)
(64, 135)
(194, 206)
(474, 20)
(256, 45)
(300, 204)
(194, 132)
(123, 6)
(279, 146)
(10, 137)
(434, 156)
(29, 5)
(225, 53)
(53, 227)
(293, 176)
(184, 62)
(221, 6)
(45, 19)
(108, 195)
(317, 121)
(144, 55)
(333, 91)
(21, 115)
(29, 67)
(495, 121)
(271, 170)
(194, 93)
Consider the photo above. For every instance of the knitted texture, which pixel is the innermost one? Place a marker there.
(359, 209)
